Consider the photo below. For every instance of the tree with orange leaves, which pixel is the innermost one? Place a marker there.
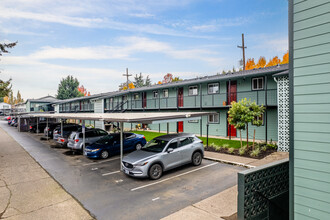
(159, 82)
(250, 64)
(83, 91)
(261, 62)
(131, 86)
(273, 62)
(285, 59)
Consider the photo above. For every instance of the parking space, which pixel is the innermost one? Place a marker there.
(109, 194)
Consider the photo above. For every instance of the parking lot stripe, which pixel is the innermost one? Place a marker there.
(103, 161)
(155, 199)
(191, 171)
(106, 174)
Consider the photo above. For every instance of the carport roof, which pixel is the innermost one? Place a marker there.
(140, 117)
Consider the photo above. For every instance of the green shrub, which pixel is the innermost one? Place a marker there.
(241, 151)
(264, 148)
(255, 152)
(217, 148)
(272, 146)
(230, 150)
(225, 146)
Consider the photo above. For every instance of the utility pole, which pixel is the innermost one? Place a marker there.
(127, 75)
(243, 48)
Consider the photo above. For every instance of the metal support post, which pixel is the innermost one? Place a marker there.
(19, 124)
(61, 126)
(121, 144)
(47, 129)
(168, 127)
(207, 134)
(83, 131)
(37, 125)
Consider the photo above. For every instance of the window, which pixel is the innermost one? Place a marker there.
(193, 90)
(136, 96)
(155, 94)
(260, 117)
(214, 118)
(165, 93)
(185, 141)
(213, 88)
(258, 83)
(173, 145)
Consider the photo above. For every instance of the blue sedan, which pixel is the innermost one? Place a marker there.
(110, 145)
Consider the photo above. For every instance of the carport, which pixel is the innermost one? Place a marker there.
(141, 117)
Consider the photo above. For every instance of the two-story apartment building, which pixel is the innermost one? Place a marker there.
(41, 104)
(209, 93)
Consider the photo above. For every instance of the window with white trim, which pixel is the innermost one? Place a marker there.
(165, 93)
(214, 118)
(193, 90)
(155, 94)
(213, 88)
(258, 83)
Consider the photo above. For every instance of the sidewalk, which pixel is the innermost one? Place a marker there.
(224, 204)
(27, 191)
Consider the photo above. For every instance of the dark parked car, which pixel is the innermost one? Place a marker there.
(41, 126)
(110, 145)
(51, 127)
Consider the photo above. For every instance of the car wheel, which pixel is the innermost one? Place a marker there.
(138, 146)
(104, 154)
(155, 171)
(197, 158)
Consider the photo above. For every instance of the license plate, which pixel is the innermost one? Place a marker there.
(126, 171)
(85, 153)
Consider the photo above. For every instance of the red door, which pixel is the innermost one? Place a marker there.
(231, 130)
(231, 92)
(180, 97)
(144, 100)
(180, 126)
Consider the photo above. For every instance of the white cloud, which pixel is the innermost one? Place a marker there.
(130, 46)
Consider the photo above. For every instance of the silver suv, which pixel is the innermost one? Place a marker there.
(75, 140)
(164, 153)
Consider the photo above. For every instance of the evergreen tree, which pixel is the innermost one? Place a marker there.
(68, 88)
(148, 81)
(138, 81)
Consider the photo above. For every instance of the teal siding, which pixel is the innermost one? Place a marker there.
(311, 53)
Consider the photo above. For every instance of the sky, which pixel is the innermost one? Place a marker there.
(96, 40)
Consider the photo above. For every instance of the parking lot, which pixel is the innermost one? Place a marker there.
(107, 193)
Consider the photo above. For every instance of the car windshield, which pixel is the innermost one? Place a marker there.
(155, 145)
(105, 140)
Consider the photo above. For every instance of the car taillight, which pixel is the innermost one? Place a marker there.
(76, 140)
(144, 137)
(62, 140)
(30, 127)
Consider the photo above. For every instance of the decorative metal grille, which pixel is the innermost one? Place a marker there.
(256, 187)
(283, 113)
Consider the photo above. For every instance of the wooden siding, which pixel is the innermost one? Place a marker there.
(311, 45)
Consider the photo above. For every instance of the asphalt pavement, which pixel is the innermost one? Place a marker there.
(107, 193)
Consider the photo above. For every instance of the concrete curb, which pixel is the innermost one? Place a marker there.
(230, 162)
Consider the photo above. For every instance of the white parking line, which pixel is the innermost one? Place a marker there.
(155, 199)
(103, 161)
(191, 171)
(106, 174)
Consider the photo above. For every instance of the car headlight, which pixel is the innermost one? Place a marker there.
(141, 164)
(94, 150)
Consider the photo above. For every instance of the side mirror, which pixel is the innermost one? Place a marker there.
(170, 150)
